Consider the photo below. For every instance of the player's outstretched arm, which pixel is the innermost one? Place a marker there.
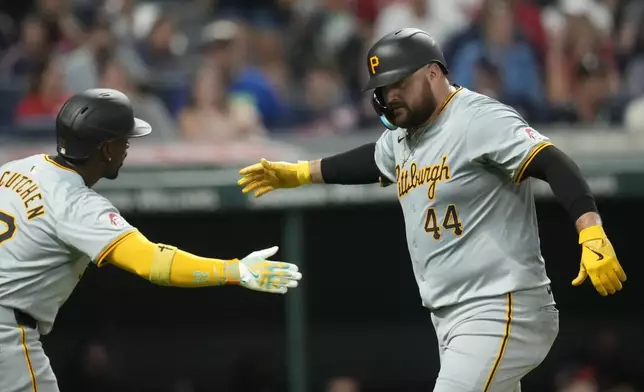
(598, 258)
(168, 266)
(357, 166)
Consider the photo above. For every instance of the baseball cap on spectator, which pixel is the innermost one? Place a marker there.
(219, 32)
(598, 14)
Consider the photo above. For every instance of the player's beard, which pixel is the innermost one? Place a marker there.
(418, 117)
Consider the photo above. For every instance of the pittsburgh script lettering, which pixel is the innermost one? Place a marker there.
(408, 180)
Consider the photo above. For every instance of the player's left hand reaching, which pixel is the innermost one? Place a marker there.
(258, 273)
(267, 176)
(599, 262)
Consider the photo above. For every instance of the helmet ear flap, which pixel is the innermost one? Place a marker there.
(379, 105)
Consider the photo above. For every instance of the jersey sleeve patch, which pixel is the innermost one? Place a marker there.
(115, 220)
(533, 134)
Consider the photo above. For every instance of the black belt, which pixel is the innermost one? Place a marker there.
(24, 319)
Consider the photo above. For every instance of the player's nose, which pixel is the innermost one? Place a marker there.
(392, 97)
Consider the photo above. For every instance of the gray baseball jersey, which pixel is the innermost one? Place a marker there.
(471, 226)
(51, 226)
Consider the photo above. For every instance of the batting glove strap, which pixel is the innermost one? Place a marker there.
(232, 272)
(592, 233)
(304, 172)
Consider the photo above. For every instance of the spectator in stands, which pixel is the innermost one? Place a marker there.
(268, 55)
(439, 18)
(46, 93)
(83, 64)
(162, 51)
(324, 105)
(527, 16)
(159, 51)
(634, 74)
(61, 13)
(487, 79)
(38, 37)
(213, 114)
(629, 37)
(578, 39)
(226, 46)
(590, 95)
(519, 69)
(331, 34)
(146, 106)
(121, 14)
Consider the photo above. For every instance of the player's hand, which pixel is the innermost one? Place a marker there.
(266, 176)
(599, 262)
(258, 273)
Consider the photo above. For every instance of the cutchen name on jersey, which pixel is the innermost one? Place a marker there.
(28, 191)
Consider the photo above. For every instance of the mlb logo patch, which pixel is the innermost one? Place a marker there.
(116, 220)
(532, 134)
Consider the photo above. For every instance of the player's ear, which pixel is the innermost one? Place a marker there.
(106, 151)
(430, 73)
(435, 70)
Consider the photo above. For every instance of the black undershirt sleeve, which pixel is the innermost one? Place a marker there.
(353, 167)
(565, 180)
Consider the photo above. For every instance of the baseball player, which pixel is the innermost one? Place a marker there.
(460, 162)
(52, 224)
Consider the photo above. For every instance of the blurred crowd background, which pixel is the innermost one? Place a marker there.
(221, 70)
(224, 70)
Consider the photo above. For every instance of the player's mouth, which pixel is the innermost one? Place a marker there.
(399, 111)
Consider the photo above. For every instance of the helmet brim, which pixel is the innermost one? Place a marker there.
(141, 128)
(386, 78)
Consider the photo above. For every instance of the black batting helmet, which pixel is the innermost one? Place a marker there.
(95, 116)
(396, 56)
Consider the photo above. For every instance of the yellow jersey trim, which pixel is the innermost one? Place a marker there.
(58, 165)
(526, 161)
(106, 251)
(448, 101)
(32, 374)
(504, 342)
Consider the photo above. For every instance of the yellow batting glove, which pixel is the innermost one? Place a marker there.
(266, 176)
(259, 274)
(599, 262)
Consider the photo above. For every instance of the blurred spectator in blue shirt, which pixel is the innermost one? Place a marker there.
(226, 45)
(322, 104)
(515, 59)
(63, 14)
(146, 106)
(38, 38)
(82, 65)
(162, 49)
(634, 70)
(332, 34)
